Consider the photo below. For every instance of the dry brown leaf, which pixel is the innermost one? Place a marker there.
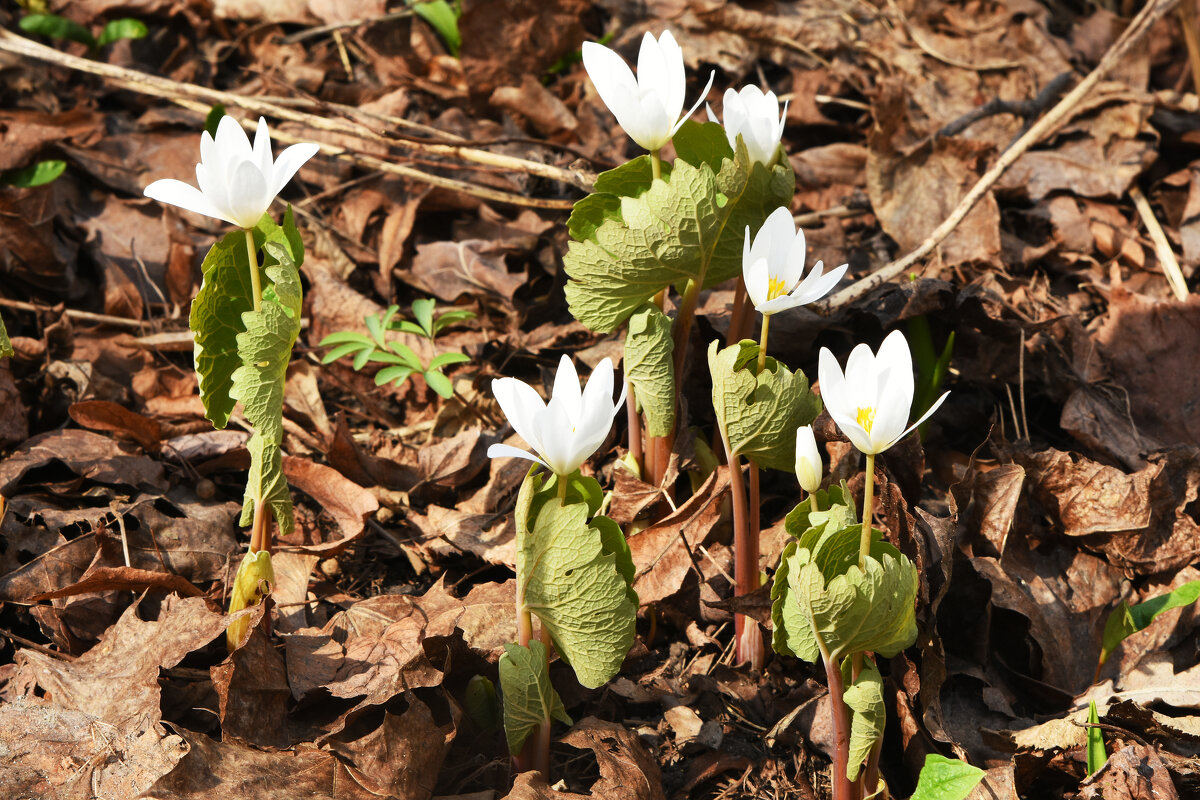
(345, 501)
(1135, 772)
(99, 415)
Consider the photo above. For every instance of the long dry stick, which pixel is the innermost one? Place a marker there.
(1138, 28)
(156, 86)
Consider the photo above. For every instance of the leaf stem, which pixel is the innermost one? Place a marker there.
(815, 502)
(255, 278)
(864, 543)
(655, 165)
(562, 489)
(260, 528)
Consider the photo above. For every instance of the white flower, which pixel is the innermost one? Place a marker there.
(237, 182)
(773, 265)
(808, 460)
(757, 118)
(871, 402)
(647, 106)
(566, 431)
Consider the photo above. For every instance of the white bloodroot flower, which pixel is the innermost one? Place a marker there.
(566, 431)
(647, 106)
(808, 459)
(757, 118)
(237, 182)
(773, 265)
(871, 402)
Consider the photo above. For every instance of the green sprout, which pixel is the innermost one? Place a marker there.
(36, 174)
(400, 359)
(61, 28)
(443, 18)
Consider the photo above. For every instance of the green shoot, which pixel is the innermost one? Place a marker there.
(37, 174)
(400, 359)
(931, 367)
(63, 29)
(1126, 620)
(213, 118)
(1097, 756)
(443, 18)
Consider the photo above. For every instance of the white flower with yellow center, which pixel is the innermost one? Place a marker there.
(872, 400)
(566, 431)
(773, 266)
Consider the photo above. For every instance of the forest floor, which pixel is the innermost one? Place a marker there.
(1061, 477)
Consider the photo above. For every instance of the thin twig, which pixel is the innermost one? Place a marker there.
(1141, 25)
(1162, 247)
(83, 316)
(156, 86)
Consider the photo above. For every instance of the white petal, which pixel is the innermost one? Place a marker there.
(711, 116)
(894, 401)
(704, 94)
(757, 278)
(862, 378)
(208, 149)
(290, 161)
(660, 71)
(232, 143)
(249, 197)
(937, 404)
(215, 189)
(613, 80)
(559, 437)
(185, 196)
(566, 392)
(597, 395)
(834, 394)
(792, 268)
(262, 146)
(522, 405)
(649, 125)
(508, 451)
(816, 285)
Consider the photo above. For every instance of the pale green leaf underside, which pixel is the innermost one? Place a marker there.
(649, 367)
(216, 320)
(529, 697)
(861, 610)
(759, 414)
(690, 225)
(867, 715)
(946, 779)
(565, 577)
(264, 349)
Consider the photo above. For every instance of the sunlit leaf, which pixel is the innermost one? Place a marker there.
(529, 698)
(946, 779)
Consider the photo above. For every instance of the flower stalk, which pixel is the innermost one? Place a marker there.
(255, 276)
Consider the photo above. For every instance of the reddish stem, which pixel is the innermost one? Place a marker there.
(842, 789)
(635, 431)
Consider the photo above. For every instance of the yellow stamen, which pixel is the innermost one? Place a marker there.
(776, 288)
(866, 418)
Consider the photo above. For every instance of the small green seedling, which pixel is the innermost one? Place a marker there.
(932, 368)
(443, 18)
(37, 174)
(1097, 756)
(1126, 620)
(61, 28)
(400, 359)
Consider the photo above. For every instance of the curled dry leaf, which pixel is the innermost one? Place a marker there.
(345, 501)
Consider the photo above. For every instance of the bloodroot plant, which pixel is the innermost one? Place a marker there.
(574, 568)
(841, 594)
(246, 318)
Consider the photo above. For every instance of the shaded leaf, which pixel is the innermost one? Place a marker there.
(868, 713)
(649, 366)
(529, 699)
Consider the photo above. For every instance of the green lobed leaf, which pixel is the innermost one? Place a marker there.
(867, 713)
(574, 583)
(6, 348)
(1097, 756)
(702, 143)
(791, 633)
(946, 779)
(217, 312)
(57, 27)
(481, 704)
(857, 611)
(836, 507)
(37, 174)
(649, 366)
(265, 348)
(1126, 620)
(529, 697)
(758, 414)
(127, 28)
